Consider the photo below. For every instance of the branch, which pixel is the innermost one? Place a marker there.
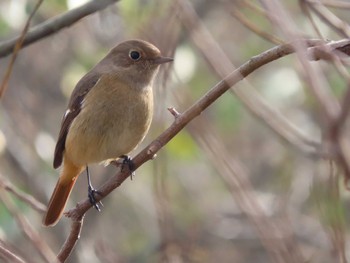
(26, 198)
(16, 49)
(332, 3)
(55, 24)
(236, 12)
(273, 233)
(28, 230)
(148, 153)
(8, 255)
(70, 242)
(338, 25)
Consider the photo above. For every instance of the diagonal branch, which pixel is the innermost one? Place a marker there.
(8, 255)
(55, 24)
(237, 13)
(26, 198)
(28, 230)
(338, 25)
(272, 232)
(148, 153)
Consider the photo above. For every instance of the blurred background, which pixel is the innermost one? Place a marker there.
(244, 182)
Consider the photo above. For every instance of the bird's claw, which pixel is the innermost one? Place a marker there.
(92, 199)
(127, 161)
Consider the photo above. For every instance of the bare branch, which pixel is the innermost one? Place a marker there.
(18, 46)
(336, 128)
(271, 232)
(332, 3)
(330, 19)
(71, 241)
(9, 256)
(174, 112)
(28, 230)
(55, 24)
(251, 26)
(30, 200)
(305, 8)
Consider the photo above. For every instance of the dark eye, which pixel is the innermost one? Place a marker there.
(134, 55)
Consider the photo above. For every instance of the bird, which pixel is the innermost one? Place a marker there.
(109, 113)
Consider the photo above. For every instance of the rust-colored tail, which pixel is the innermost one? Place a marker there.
(61, 193)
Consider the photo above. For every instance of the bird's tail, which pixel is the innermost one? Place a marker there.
(60, 195)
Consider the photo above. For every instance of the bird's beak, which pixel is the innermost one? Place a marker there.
(161, 60)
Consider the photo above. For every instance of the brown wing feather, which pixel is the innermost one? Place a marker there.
(74, 107)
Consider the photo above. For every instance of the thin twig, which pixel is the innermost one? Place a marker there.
(251, 26)
(29, 232)
(336, 128)
(162, 201)
(337, 226)
(332, 3)
(305, 8)
(18, 46)
(338, 25)
(340, 139)
(26, 198)
(233, 173)
(9, 256)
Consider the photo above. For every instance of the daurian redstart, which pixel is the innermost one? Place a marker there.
(108, 115)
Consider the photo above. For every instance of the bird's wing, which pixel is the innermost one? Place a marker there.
(74, 107)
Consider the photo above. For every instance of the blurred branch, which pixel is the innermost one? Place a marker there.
(338, 228)
(305, 9)
(164, 214)
(28, 230)
(148, 153)
(55, 24)
(26, 198)
(9, 256)
(271, 232)
(338, 138)
(339, 123)
(329, 18)
(332, 3)
(220, 64)
(252, 27)
(319, 86)
(20, 154)
(329, 203)
(310, 73)
(16, 49)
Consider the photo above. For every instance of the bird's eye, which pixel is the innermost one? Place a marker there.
(134, 55)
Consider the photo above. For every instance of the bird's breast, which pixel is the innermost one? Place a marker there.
(114, 119)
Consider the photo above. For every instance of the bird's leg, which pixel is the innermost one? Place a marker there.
(129, 163)
(92, 191)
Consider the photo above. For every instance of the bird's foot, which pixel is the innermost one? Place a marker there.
(127, 161)
(91, 194)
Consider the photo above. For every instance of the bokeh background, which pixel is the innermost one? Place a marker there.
(227, 188)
